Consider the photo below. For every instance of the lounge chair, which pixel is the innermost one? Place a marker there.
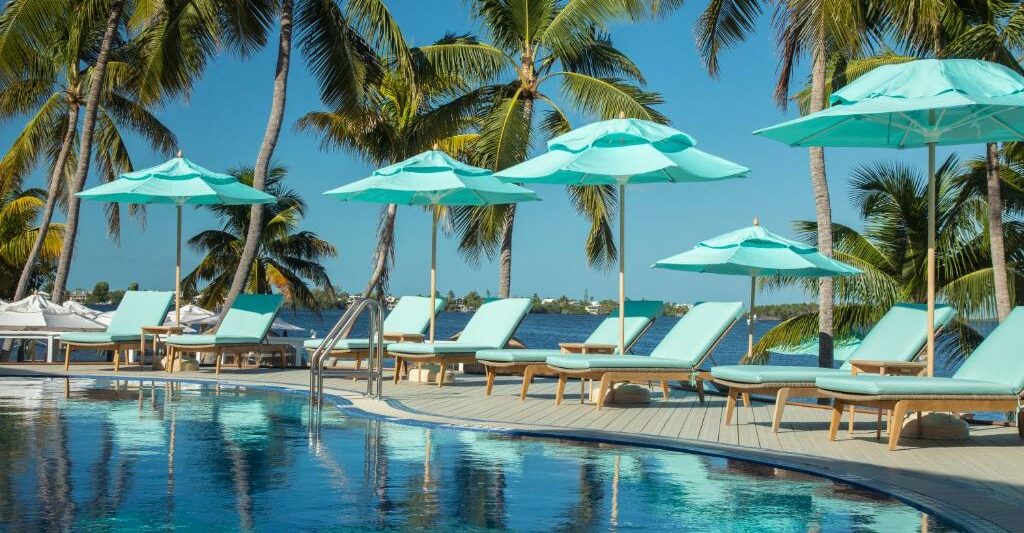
(898, 337)
(991, 379)
(405, 323)
(640, 314)
(490, 327)
(137, 309)
(243, 330)
(678, 356)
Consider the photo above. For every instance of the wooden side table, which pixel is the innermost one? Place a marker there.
(884, 368)
(155, 331)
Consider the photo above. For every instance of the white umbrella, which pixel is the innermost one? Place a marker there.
(82, 310)
(36, 313)
(192, 313)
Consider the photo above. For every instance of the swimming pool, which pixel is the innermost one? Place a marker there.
(105, 455)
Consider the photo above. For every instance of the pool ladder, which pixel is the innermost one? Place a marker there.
(374, 371)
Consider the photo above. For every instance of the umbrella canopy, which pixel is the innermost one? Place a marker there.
(756, 252)
(620, 152)
(433, 178)
(36, 313)
(178, 181)
(919, 103)
(191, 313)
(81, 310)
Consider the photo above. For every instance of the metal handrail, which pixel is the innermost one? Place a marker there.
(375, 351)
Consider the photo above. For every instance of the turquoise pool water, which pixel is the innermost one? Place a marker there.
(98, 455)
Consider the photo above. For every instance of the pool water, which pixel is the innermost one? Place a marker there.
(99, 455)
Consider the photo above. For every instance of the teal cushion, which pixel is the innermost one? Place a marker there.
(250, 316)
(900, 334)
(138, 309)
(211, 340)
(755, 374)
(696, 332)
(96, 338)
(588, 362)
(639, 315)
(1000, 357)
(494, 323)
(436, 348)
(341, 344)
(411, 314)
(516, 356)
(911, 385)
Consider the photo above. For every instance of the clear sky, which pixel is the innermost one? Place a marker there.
(221, 125)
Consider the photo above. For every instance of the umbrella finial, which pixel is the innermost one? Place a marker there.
(622, 114)
(179, 154)
(757, 222)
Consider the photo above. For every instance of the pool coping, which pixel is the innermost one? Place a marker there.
(343, 400)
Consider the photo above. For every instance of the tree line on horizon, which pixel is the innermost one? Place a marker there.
(84, 76)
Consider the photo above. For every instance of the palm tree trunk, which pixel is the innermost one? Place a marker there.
(270, 137)
(822, 205)
(384, 254)
(51, 202)
(505, 259)
(995, 231)
(92, 104)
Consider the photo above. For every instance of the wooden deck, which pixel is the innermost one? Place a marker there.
(981, 480)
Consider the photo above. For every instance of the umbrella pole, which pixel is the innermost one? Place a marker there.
(177, 276)
(751, 318)
(622, 269)
(931, 259)
(433, 269)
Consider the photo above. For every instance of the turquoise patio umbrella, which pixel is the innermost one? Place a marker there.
(756, 252)
(919, 103)
(178, 181)
(432, 178)
(620, 152)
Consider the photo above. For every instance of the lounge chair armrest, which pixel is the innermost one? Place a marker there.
(404, 337)
(584, 348)
(869, 366)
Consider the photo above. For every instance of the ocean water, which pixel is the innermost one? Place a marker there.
(102, 455)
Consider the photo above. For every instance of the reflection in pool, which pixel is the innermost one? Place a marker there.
(104, 455)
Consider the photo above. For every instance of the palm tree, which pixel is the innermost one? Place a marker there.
(535, 47)
(18, 212)
(338, 43)
(400, 116)
(824, 29)
(287, 260)
(892, 252)
(49, 89)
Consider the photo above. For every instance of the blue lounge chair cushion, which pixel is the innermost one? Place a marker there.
(138, 309)
(516, 356)
(639, 315)
(85, 337)
(436, 348)
(411, 314)
(690, 340)
(211, 340)
(998, 358)
(900, 334)
(757, 374)
(871, 385)
(625, 362)
(342, 344)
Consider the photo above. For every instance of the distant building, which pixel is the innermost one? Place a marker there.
(78, 296)
(593, 308)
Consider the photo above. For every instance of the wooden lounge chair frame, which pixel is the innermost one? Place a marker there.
(531, 370)
(608, 377)
(901, 405)
(117, 347)
(236, 350)
(358, 355)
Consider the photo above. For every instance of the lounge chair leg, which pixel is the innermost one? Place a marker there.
(527, 380)
(849, 429)
(878, 425)
(117, 360)
(699, 385)
(583, 391)
(780, 405)
(561, 389)
(899, 413)
(664, 390)
(837, 418)
(359, 363)
(398, 369)
(67, 357)
(730, 405)
(606, 385)
(491, 374)
(170, 359)
(440, 374)
(746, 399)
(918, 424)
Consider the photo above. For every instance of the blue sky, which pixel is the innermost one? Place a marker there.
(221, 125)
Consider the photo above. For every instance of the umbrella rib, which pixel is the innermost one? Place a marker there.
(1007, 126)
(822, 131)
